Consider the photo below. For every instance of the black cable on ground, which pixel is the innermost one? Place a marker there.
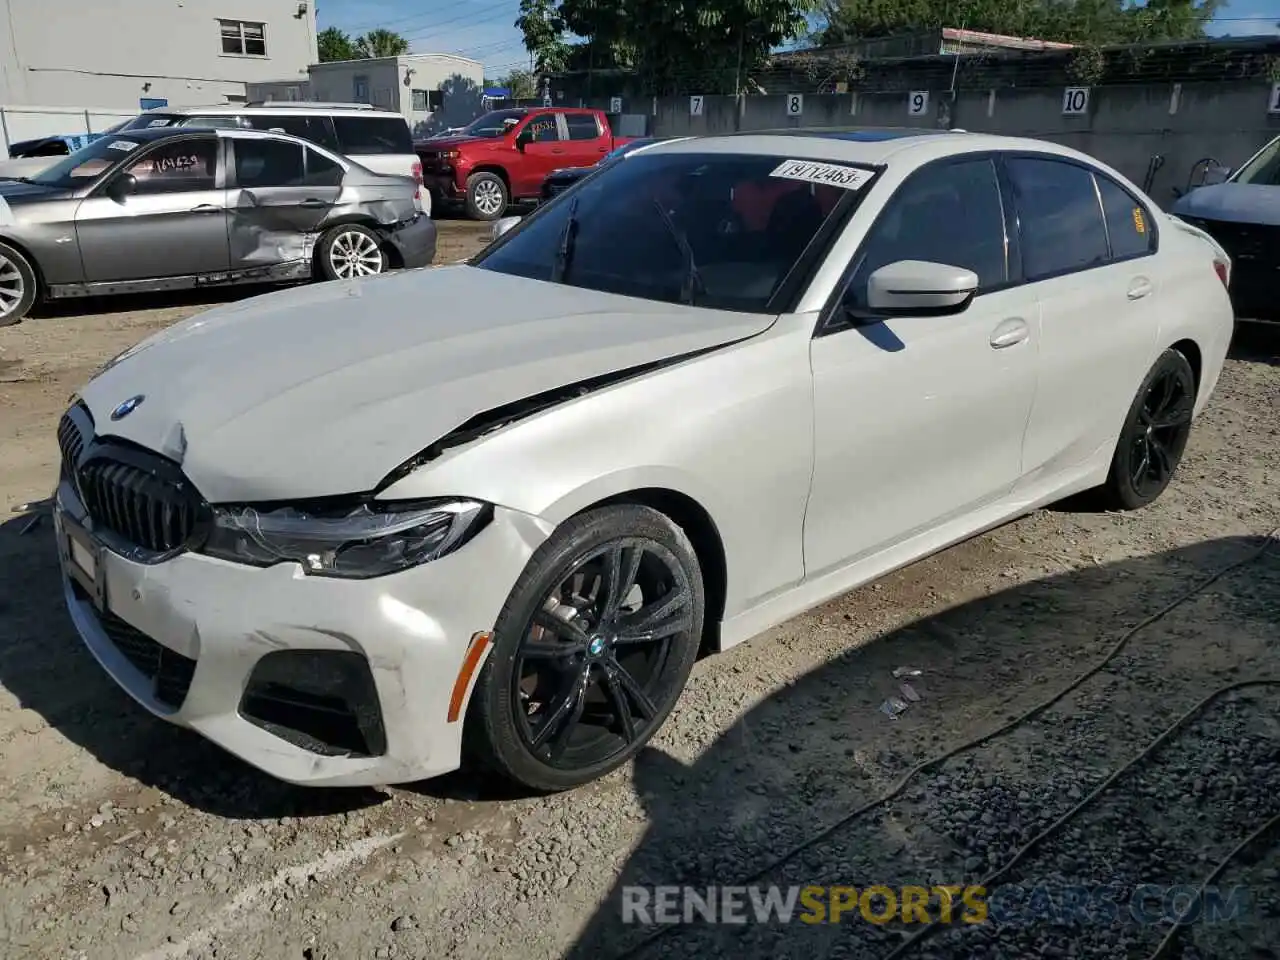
(1172, 935)
(1269, 540)
(995, 877)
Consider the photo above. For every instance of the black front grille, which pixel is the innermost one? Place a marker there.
(169, 672)
(137, 498)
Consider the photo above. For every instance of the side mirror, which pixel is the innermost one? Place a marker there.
(122, 186)
(920, 288)
(1214, 175)
(502, 226)
(524, 138)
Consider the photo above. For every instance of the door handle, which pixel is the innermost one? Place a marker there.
(206, 208)
(1139, 288)
(311, 203)
(1009, 332)
(557, 149)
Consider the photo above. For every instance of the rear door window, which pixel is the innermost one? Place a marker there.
(582, 126)
(321, 171)
(268, 163)
(316, 129)
(373, 135)
(1059, 217)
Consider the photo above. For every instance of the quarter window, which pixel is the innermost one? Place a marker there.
(373, 135)
(243, 38)
(177, 167)
(950, 214)
(1059, 216)
(1128, 222)
(268, 163)
(582, 126)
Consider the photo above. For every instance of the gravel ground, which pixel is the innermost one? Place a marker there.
(123, 837)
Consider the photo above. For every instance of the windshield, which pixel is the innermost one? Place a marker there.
(85, 165)
(1264, 169)
(714, 230)
(493, 124)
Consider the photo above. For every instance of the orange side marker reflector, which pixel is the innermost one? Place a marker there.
(475, 651)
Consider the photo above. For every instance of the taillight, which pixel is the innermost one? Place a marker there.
(417, 171)
(1223, 271)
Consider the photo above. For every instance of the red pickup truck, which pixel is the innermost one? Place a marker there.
(503, 156)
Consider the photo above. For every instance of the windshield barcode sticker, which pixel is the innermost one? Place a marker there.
(121, 145)
(831, 174)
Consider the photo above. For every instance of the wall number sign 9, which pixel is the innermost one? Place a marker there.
(695, 106)
(1075, 100)
(917, 103)
(795, 104)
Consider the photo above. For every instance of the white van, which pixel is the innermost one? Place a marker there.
(374, 137)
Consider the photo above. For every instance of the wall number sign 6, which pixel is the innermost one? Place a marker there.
(917, 103)
(795, 104)
(1274, 106)
(1075, 100)
(615, 104)
(695, 106)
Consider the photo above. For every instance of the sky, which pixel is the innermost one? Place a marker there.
(484, 29)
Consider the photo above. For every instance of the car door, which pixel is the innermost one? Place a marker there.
(920, 419)
(1093, 273)
(281, 191)
(172, 224)
(542, 154)
(585, 143)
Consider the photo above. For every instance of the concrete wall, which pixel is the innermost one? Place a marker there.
(1125, 125)
(74, 53)
(390, 82)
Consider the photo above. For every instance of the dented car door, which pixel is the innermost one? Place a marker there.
(280, 193)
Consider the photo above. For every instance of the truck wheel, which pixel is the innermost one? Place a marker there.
(17, 286)
(486, 196)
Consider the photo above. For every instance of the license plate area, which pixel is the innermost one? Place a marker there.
(84, 562)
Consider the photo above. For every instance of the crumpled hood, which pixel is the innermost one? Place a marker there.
(323, 390)
(1233, 202)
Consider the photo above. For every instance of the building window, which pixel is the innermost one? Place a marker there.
(360, 89)
(419, 101)
(425, 101)
(243, 38)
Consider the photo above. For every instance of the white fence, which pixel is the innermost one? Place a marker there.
(18, 123)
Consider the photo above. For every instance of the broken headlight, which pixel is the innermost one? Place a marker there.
(354, 542)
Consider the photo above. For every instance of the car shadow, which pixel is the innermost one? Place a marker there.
(820, 748)
(46, 668)
(157, 300)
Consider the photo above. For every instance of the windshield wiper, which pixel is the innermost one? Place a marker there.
(568, 236)
(692, 284)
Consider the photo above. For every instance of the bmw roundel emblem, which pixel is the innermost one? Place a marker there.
(126, 408)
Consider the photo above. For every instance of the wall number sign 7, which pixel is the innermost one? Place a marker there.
(1075, 101)
(695, 106)
(1274, 106)
(795, 104)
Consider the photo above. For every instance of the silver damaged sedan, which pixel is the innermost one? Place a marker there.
(692, 396)
(172, 208)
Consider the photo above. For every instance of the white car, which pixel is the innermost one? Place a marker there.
(713, 386)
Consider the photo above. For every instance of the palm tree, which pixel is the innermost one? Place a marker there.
(381, 43)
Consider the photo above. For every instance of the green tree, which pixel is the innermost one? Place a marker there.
(334, 44)
(522, 84)
(544, 34)
(381, 43)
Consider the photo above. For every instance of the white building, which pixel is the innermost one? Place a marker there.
(429, 89)
(146, 53)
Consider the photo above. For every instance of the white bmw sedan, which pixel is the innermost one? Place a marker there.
(360, 533)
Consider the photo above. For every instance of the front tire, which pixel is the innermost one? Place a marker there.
(487, 196)
(19, 287)
(1154, 436)
(349, 251)
(591, 651)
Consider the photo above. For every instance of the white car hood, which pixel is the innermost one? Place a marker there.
(323, 390)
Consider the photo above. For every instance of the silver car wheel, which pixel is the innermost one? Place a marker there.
(355, 254)
(12, 287)
(488, 198)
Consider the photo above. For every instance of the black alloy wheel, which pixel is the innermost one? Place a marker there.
(1155, 434)
(592, 651)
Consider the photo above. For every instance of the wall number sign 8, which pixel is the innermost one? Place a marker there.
(795, 104)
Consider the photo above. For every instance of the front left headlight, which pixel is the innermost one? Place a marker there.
(353, 542)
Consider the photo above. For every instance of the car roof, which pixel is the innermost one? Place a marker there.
(152, 134)
(872, 146)
(280, 107)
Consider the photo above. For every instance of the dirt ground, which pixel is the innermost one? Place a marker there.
(121, 836)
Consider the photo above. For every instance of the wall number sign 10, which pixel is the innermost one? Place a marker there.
(1274, 106)
(795, 104)
(1075, 100)
(695, 106)
(917, 103)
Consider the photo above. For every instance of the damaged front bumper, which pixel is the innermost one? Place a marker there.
(314, 680)
(414, 241)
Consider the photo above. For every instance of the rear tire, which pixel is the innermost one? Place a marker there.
(1154, 435)
(349, 251)
(487, 196)
(582, 675)
(19, 286)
